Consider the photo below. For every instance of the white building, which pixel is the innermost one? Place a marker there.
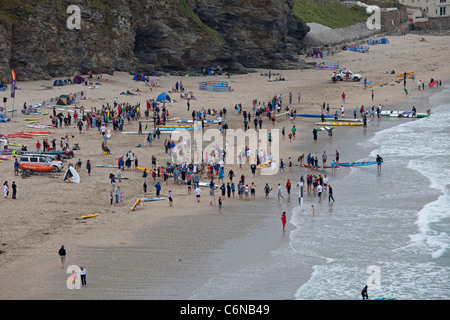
(429, 8)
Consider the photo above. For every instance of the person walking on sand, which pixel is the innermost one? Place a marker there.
(197, 193)
(220, 204)
(330, 193)
(170, 196)
(283, 220)
(280, 193)
(343, 97)
(62, 255)
(313, 210)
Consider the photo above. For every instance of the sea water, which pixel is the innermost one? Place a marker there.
(389, 229)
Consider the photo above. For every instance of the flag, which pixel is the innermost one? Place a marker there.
(13, 84)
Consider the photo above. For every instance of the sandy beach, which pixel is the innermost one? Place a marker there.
(163, 252)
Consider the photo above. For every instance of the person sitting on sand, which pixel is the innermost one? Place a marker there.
(105, 148)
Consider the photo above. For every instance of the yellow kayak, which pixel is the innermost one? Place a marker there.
(340, 123)
(90, 216)
(262, 165)
(30, 119)
(402, 74)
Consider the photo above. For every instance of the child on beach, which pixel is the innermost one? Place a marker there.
(220, 204)
(170, 196)
(197, 193)
(283, 220)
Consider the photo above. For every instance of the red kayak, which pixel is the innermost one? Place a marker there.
(35, 167)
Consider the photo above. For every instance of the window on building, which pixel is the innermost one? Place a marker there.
(442, 11)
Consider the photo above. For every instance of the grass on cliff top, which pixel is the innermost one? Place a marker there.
(332, 14)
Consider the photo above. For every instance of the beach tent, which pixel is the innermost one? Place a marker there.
(384, 40)
(139, 77)
(163, 97)
(63, 100)
(78, 79)
(372, 41)
(58, 83)
(71, 175)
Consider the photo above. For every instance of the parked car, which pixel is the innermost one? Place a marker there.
(342, 74)
(43, 160)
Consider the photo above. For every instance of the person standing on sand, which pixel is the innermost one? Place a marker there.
(170, 196)
(220, 204)
(314, 136)
(88, 167)
(313, 210)
(197, 193)
(5, 189)
(83, 276)
(283, 220)
(62, 255)
(267, 190)
(14, 189)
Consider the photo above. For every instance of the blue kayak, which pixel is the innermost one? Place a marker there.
(357, 163)
(152, 199)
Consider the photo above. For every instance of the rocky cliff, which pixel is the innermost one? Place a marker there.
(146, 36)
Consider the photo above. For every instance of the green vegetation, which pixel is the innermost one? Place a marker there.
(187, 11)
(332, 14)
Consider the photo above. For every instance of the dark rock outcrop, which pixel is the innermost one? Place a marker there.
(146, 36)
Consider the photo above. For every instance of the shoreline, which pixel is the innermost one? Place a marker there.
(252, 235)
(118, 246)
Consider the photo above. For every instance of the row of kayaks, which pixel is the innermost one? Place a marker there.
(51, 152)
(386, 113)
(335, 123)
(343, 164)
(403, 114)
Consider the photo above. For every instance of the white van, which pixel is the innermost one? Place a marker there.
(41, 160)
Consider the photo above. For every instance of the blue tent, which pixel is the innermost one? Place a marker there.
(372, 41)
(384, 40)
(139, 77)
(163, 97)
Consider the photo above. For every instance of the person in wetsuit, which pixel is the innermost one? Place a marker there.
(364, 294)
